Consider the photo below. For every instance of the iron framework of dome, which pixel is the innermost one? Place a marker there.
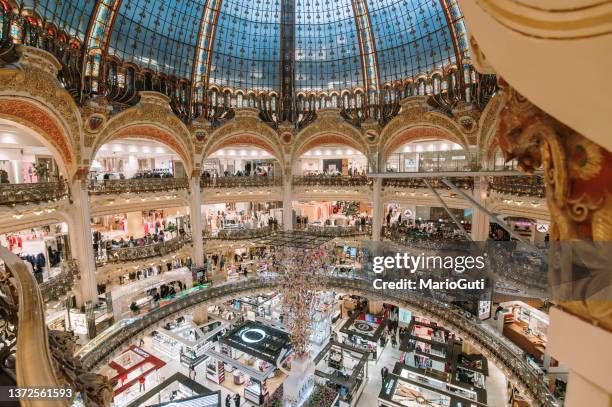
(287, 58)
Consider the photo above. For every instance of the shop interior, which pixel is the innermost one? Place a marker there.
(333, 160)
(365, 331)
(427, 156)
(241, 160)
(221, 217)
(332, 213)
(24, 159)
(135, 158)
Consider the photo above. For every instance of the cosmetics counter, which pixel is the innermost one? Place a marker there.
(365, 331)
(245, 360)
(343, 368)
(260, 305)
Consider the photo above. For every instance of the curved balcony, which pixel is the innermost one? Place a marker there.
(414, 183)
(137, 185)
(22, 194)
(413, 237)
(126, 254)
(240, 182)
(331, 180)
(499, 349)
(521, 186)
(239, 234)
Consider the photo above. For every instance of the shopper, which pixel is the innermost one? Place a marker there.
(393, 341)
(141, 380)
(228, 401)
(237, 400)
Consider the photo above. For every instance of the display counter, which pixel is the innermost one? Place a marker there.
(365, 334)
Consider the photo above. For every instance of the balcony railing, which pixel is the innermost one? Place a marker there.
(447, 161)
(336, 231)
(126, 254)
(417, 238)
(331, 181)
(118, 186)
(521, 186)
(240, 182)
(239, 234)
(414, 183)
(20, 194)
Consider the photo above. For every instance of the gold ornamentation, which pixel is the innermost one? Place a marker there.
(577, 174)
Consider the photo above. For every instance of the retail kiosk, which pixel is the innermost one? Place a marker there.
(427, 346)
(178, 390)
(365, 331)
(526, 326)
(415, 390)
(345, 369)
(128, 369)
(247, 358)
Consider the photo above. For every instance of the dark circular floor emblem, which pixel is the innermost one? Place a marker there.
(363, 327)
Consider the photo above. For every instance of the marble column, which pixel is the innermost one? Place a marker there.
(377, 209)
(480, 220)
(195, 218)
(287, 203)
(81, 244)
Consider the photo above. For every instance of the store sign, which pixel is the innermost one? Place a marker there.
(542, 227)
(389, 386)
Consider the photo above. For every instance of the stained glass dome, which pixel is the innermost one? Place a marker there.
(321, 44)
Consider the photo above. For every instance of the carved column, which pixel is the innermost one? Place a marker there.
(287, 202)
(579, 196)
(81, 244)
(377, 209)
(480, 220)
(195, 216)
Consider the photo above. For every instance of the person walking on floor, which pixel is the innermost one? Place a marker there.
(228, 401)
(237, 400)
(393, 341)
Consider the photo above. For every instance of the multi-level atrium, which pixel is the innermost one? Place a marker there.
(305, 203)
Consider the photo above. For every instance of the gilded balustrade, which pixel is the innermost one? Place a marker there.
(336, 231)
(331, 180)
(119, 186)
(240, 182)
(414, 183)
(58, 285)
(521, 186)
(38, 192)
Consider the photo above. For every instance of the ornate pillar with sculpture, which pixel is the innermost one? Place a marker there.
(578, 178)
(79, 226)
(377, 209)
(195, 218)
(287, 202)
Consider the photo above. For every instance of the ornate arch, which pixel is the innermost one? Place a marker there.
(152, 120)
(487, 142)
(34, 98)
(328, 128)
(415, 117)
(44, 126)
(246, 128)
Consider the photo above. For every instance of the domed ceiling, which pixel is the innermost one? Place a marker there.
(323, 44)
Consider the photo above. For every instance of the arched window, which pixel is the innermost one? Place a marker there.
(421, 87)
(436, 84)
